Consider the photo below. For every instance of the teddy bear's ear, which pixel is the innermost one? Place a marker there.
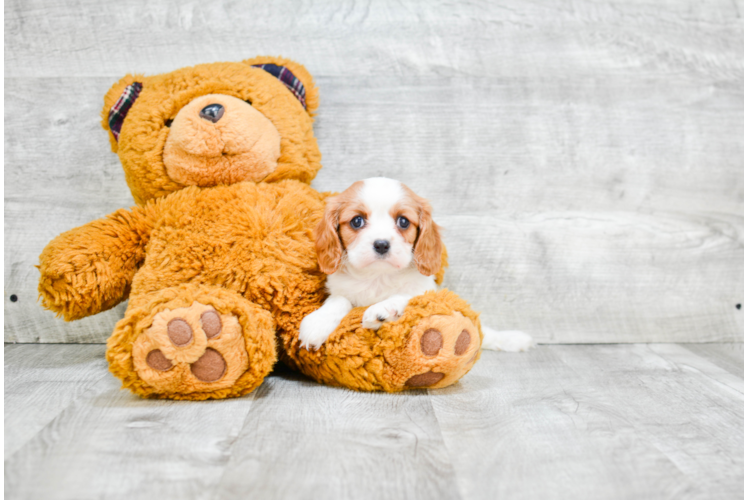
(117, 102)
(293, 75)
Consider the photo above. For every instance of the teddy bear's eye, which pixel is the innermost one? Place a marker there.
(168, 122)
(248, 101)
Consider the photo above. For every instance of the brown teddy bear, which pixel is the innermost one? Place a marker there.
(218, 258)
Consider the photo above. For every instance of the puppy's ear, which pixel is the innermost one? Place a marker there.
(428, 247)
(327, 241)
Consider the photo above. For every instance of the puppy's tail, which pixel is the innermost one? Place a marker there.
(506, 340)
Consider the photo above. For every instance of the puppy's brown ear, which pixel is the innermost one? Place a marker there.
(327, 241)
(428, 247)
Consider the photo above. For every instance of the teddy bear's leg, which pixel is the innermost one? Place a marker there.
(432, 345)
(192, 342)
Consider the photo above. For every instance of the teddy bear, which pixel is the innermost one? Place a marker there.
(217, 259)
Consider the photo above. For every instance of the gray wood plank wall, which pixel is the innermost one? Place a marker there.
(585, 158)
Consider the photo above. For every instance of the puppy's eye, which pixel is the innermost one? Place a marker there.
(168, 122)
(357, 222)
(403, 223)
(248, 101)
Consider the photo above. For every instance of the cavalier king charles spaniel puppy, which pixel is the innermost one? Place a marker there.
(380, 247)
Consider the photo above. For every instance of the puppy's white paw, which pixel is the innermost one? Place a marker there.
(387, 310)
(316, 328)
(507, 340)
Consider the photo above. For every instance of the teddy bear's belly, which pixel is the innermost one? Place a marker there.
(254, 239)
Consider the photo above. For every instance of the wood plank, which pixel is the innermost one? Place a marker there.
(60, 174)
(111, 444)
(685, 360)
(600, 421)
(622, 421)
(364, 38)
(310, 441)
(578, 277)
(41, 381)
(728, 356)
(657, 274)
(586, 158)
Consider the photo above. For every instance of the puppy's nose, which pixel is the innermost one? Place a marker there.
(212, 112)
(382, 246)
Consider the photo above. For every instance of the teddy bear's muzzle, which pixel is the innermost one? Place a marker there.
(219, 139)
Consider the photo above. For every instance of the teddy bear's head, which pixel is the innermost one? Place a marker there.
(214, 124)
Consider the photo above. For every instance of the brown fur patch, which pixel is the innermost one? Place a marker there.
(428, 247)
(334, 233)
(408, 208)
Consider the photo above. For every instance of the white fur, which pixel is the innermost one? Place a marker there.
(316, 327)
(506, 340)
(367, 278)
(380, 195)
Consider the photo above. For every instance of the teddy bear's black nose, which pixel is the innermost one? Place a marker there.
(212, 112)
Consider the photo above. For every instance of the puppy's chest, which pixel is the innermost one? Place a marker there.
(365, 292)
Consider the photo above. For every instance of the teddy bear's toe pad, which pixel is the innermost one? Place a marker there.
(424, 379)
(180, 332)
(441, 349)
(191, 349)
(210, 367)
(156, 360)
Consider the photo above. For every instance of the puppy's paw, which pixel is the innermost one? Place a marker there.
(507, 340)
(316, 328)
(379, 313)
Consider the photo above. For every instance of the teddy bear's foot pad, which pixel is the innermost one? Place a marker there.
(441, 349)
(191, 348)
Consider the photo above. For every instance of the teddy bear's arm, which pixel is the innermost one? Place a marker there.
(89, 269)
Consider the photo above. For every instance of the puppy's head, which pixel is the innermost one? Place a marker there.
(378, 224)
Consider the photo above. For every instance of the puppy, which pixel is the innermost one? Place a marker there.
(379, 245)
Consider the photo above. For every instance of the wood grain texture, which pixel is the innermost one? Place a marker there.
(632, 421)
(60, 174)
(41, 382)
(585, 422)
(729, 357)
(367, 38)
(586, 158)
(109, 443)
(305, 440)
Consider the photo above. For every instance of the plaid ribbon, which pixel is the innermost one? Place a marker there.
(288, 79)
(119, 111)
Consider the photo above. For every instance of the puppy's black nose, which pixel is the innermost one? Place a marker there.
(382, 246)
(212, 112)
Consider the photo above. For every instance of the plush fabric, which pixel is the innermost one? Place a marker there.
(241, 146)
(289, 80)
(144, 132)
(219, 263)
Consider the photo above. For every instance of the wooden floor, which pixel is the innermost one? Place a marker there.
(573, 421)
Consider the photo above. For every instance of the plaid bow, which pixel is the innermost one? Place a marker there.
(119, 111)
(288, 79)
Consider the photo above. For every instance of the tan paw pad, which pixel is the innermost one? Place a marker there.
(440, 350)
(190, 349)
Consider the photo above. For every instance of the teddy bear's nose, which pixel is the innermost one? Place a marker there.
(212, 112)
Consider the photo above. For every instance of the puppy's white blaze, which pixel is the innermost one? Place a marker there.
(380, 194)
